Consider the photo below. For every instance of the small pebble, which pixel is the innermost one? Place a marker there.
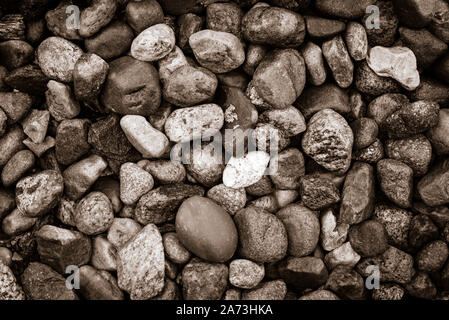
(153, 43)
(245, 274)
(122, 230)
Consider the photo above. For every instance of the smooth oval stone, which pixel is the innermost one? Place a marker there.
(347, 9)
(220, 52)
(11, 143)
(39, 193)
(439, 135)
(57, 58)
(143, 14)
(132, 87)
(95, 17)
(16, 167)
(15, 54)
(274, 26)
(206, 229)
(339, 61)
(188, 124)
(153, 43)
(313, 57)
(245, 171)
(94, 214)
(357, 41)
(322, 28)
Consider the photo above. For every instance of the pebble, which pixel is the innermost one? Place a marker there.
(98, 285)
(192, 123)
(40, 148)
(3, 122)
(328, 140)
(96, 16)
(16, 167)
(313, 58)
(432, 257)
(35, 125)
(56, 22)
(188, 86)
(303, 273)
(10, 288)
(11, 143)
(232, 294)
(225, 17)
(270, 290)
(345, 9)
(7, 201)
(333, 234)
(66, 211)
(203, 280)
(134, 183)
(438, 135)
(433, 188)
(132, 87)
(28, 79)
(422, 231)
(61, 102)
(94, 214)
(208, 47)
(302, 228)
(172, 61)
(103, 254)
(388, 292)
(141, 15)
(17, 222)
(5, 256)
(369, 238)
(388, 25)
(290, 120)
(396, 181)
(272, 85)
(153, 43)
(80, 176)
(245, 274)
(262, 187)
(111, 188)
(245, 171)
(356, 40)
(206, 229)
(122, 230)
(204, 163)
(368, 82)
(174, 249)
(320, 295)
(39, 193)
(414, 13)
(357, 201)
(89, 75)
(287, 168)
(57, 58)
(339, 61)
(159, 205)
(40, 282)
(346, 283)
(343, 255)
(188, 24)
(365, 132)
(230, 199)
(165, 171)
(255, 243)
(422, 287)
(318, 193)
(71, 140)
(15, 105)
(60, 248)
(272, 32)
(321, 28)
(16, 53)
(254, 55)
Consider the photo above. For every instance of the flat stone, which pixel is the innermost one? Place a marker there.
(245, 171)
(322, 28)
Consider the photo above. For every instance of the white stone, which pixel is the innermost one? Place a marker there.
(343, 255)
(245, 171)
(153, 43)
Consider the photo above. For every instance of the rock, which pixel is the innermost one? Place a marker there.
(255, 243)
(422, 287)
(5, 256)
(35, 125)
(369, 238)
(165, 171)
(245, 171)
(302, 228)
(313, 57)
(28, 79)
(254, 55)
(96, 16)
(343, 255)
(414, 151)
(88, 76)
(357, 41)
(270, 290)
(396, 181)
(80, 176)
(290, 120)
(39, 193)
(16, 167)
(271, 32)
(432, 257)
(16, 53)
(122, 230)
(232, 200)
(414, 13)
(11, 143)
(388, 25)
(287, 168)
(57, 58)
(17, 223)
(303, 273)
(153, 43)
(278, 80)
(318, 295)
(103, 254)
(333, 234)
(160, 205)
(66, 211)
(339, 61)
(3, 122)
(328, 140)
(187, 24)
(112, 41)
(111, 188)
(134, 183)
(396, 222)
(232, 294)
(174, 249)
(141, 15)
(15, 105)
(345, 9)
(438, 135)
(40, 282)
(368, 82)
(206, 229)
(60, 248)
(60, 101)
(224, 17)
(262, 187)
(266, 137)
(71, 140)
(140, 264)
(188, 86)
(197, 286)
(422, 231)
(7, 201)
(398, 63)
(40, 148)
(94, 213)
(433, 188)
(10, 289)
(172, 61)
(57, 21)
(192, 123)
(132, 87)
(388, 292)
(357, 202)
(346, 283)
(245, 274)
(317, 192)
(321, 28)
(208, 47)
(365, 132)
(98, 285)
(204, 163)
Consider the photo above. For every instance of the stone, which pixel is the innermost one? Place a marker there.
(438, 135)
(365, 132)
(197, 286)
(333, 234)
(122, 230)
(388, 25)
(271, 32)
(15, 105)
(80, 176)
(103, 254)
(35, 125)
(88, 76)
(290, 120)
(287, 168)
(96, 16)
(61, 102)
(208, 47)
(5, 256)
(174, 249)
(16, 167)
(339, 61)
(322, 28)
(345, 9)
(172, 61)
(141, 15)
(17, 223)
(357, 202)
(57, 58)
(94, 214)
(254, 55)
(369, 238)
(188, 86)
(232, 200)
(66, 212)
(188, 24)
(232, 294)
(303, 273)
(7, 201)
(388, 292)
(245, 274)
(11, 143)
(421, 287)
(344, 255)
(153, 43)
(356, 40)
(346, 283)
(39, 193)
(56, 21)
(368, 82)
(270, 290)
(422, 231)
(40, 148)
(28, 79)
(302, 228)
(317, 192)
(134, 183)
(396, 181)
(313, 58)
(414, 13)
(262, 187)
(165, 171)
(71, 140)
(98, 285)
(328, 140)
(262, 235)
(159, 205)
(204, 164)
(432, 257)
(224, 17)
(16, 53)
(245, 171)
(192, 123)
(60, 248)
(3, 122)
(319, 295)
(206, 229)
(396, 222)
(433, 188)
(131, 87)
